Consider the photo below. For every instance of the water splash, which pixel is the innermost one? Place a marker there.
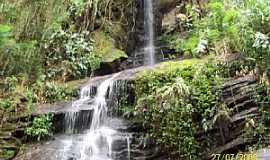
(149, 22)
(86, 93)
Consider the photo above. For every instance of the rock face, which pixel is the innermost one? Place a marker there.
(170, 15)
(166, 5)
(241, 114)
(169, 21)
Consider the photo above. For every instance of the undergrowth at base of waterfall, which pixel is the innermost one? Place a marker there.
(40, 128)
(171, 98)
(180, 100)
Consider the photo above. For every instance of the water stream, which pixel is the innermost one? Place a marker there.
(149, 22)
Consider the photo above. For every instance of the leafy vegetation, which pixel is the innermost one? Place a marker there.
(170, 98)
(54, 92)
(41, 127)
(225, 27)
(173, 101)
(55, 44)
(57, 38)
(70, 54)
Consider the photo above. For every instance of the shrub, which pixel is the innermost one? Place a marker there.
(41, 127)
(53, 92)
(70, 54)
(11, 83)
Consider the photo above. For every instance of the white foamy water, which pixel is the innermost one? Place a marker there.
(99, 138)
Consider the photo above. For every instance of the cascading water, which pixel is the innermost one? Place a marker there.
(98, 141)
(100, 104)
(99, 138)
(149, 21)
(72, 123)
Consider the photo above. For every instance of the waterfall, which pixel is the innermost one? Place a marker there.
(91, 132)
(149, 21)
(98, 140)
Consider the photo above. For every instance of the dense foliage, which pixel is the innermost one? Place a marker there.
(70, 54)
(170, 99)
(45, 43)
(224, 27)
(41, 127)
(173, 101)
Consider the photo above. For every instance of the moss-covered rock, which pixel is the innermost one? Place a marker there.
(105, 47)
(167, 67)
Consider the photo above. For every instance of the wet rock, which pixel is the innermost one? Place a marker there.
(80, 120)
(111, 67)
(135, 127)
(167, 5)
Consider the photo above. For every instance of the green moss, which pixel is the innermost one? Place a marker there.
(174, 65)
(105, 47)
